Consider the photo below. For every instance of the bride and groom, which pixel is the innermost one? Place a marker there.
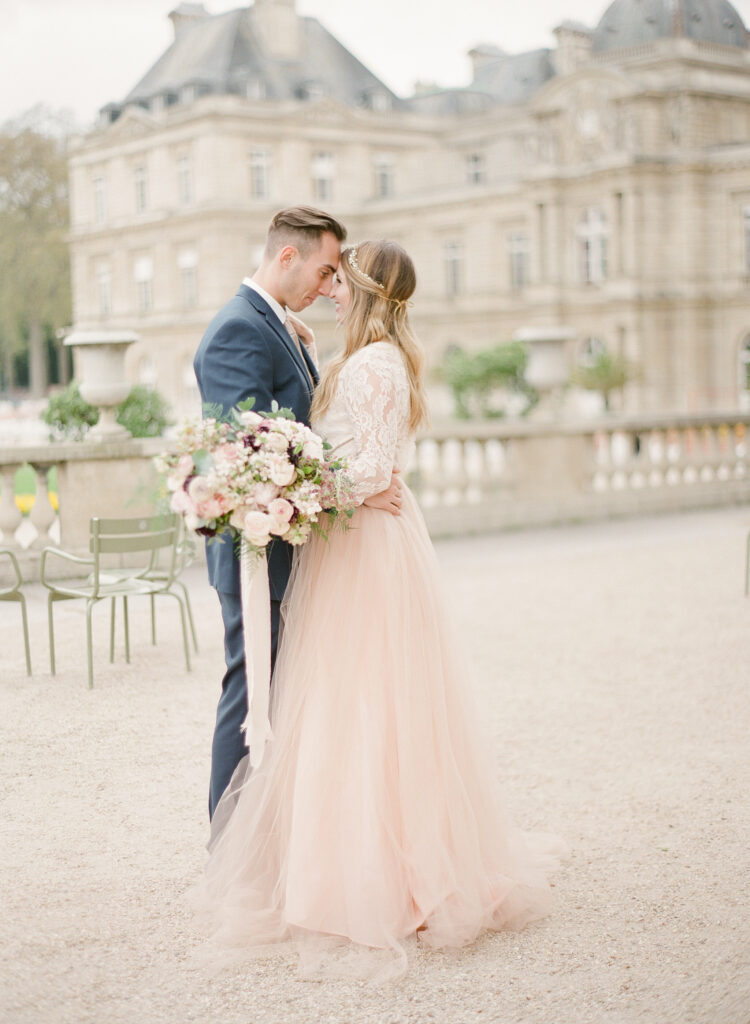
(373, 816)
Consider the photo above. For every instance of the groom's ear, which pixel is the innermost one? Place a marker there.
(287, 255)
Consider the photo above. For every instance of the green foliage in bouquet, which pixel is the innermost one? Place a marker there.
(144, 413)
(605, 373)
(474, 378)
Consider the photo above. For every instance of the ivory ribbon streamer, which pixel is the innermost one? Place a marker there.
(256, 627)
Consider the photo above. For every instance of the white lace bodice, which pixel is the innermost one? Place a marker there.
(368, 420)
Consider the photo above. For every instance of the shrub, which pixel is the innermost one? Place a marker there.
(144, 413)
(475, 378)
(605, 374)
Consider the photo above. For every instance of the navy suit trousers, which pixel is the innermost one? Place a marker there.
(229, 741)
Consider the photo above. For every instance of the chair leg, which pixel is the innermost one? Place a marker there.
(127, 629)
(184, 590)
(51, 623)
(112, 610)
(25, 634)
(89, 643)
(153, 619)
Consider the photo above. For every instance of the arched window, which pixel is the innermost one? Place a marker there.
(744, 372)
(591, 236)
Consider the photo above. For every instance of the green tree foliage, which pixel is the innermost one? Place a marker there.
(476, 378)
(34, 261)
(144, 413)
(605, 373)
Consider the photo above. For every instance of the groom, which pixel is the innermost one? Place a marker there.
(251, 348)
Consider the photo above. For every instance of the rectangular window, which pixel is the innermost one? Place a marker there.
(144, 284)
(259, 174)
(475, 174)
(104, 289)
(518, 260)
(384, 175)
(141, 189)
(453, 259)
(323, 173)
(184, 180)
(100, 200)
(187, 263)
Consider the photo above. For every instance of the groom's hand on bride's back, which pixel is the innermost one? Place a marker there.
(390, 499)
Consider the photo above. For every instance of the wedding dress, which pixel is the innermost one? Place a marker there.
(374, 814)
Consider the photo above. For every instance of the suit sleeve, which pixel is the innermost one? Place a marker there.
(238, 364)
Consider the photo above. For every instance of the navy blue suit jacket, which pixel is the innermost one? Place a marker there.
(246, 352)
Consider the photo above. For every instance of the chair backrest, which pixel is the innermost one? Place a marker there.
(140, 533)
(144, 534)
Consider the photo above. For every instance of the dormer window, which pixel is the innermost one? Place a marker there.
(377, 100)
(311, 91)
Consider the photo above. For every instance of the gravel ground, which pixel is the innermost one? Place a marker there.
(613, 661)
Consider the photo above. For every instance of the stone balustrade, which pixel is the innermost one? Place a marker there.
(468, 476)
(93, 479)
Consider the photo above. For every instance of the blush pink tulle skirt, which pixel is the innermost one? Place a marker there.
(374, 815)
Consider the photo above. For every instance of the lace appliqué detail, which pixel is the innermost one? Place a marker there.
(374, 389)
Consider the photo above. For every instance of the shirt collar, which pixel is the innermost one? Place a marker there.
(275, 306)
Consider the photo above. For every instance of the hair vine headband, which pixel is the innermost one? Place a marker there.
(355, 266)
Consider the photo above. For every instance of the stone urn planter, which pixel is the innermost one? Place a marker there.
(100, 368)
(548, 366)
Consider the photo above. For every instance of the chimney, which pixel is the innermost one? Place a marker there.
(573, 46)
(482, 54)
(185, 15)
(276, 25)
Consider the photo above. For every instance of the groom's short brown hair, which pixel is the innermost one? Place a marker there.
(302, 227)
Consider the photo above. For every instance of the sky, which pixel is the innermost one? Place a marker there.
(77, 55)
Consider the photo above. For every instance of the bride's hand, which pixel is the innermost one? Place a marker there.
(304, 333)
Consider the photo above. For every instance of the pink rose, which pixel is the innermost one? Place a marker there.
(282, 509)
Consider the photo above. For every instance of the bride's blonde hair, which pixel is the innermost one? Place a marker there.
(381, 280)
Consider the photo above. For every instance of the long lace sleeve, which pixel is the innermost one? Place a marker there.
(376, 394)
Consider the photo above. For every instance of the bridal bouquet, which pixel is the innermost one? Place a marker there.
(262, 475)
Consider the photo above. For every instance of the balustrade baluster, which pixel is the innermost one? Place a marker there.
(10, 514)
(42, 513)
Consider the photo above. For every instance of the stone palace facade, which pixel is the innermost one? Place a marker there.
(602, 187)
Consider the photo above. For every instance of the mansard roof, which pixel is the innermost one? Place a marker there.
(514, 77)
(222, 53)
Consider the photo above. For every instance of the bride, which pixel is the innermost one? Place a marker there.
(373, 817)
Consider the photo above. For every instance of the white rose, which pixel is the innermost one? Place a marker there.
(280, 526)
(275, 442)
(250, 418)
(257, 528)
(264, 494)
(313, 449)
(281, 471)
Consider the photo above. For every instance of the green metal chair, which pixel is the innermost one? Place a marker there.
(13, 593)
(146, 536)
(184, 558)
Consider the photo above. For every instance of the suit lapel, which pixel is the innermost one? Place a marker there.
(260, 304)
